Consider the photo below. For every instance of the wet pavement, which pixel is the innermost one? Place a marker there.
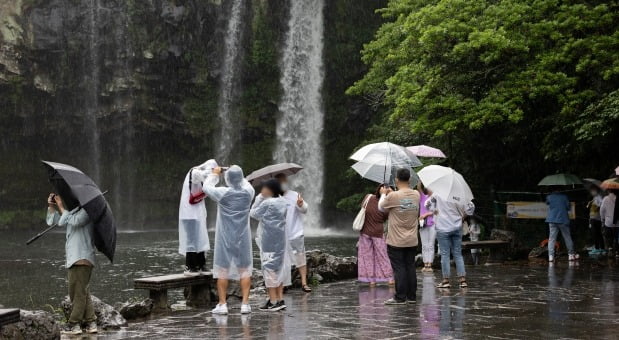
(502, 302)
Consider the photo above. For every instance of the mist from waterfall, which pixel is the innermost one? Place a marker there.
(229, 131)
(92, 92)
(300, 125)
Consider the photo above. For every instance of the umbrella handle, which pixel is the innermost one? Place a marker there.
(37, 236)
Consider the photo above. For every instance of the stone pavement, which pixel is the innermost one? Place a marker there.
(502, 302)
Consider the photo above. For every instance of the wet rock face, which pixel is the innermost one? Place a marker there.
(107, 316)
(34, 325)
(136, 310)
(325, 267)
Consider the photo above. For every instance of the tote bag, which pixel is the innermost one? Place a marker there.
(359, 221)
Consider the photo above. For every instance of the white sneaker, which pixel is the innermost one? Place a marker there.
(189, 272)
(245, 309)
(551, 258)
(220, 309)
(574, 257)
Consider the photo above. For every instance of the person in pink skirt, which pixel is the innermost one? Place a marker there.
(372, 261)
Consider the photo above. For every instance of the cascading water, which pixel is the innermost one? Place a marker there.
(299, 128)
(228, 135)
(92, 92)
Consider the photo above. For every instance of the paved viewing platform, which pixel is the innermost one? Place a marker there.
(507, 302)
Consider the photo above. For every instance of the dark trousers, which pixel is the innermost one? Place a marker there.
(610, 237)
(596, 234)
(195, 261)
(403, 264)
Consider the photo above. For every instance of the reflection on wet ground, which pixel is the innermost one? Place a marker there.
(507, 302)
(502, 302)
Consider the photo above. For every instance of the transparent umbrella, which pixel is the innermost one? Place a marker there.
(378, 161)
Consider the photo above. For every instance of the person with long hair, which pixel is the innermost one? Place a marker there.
(373, 262)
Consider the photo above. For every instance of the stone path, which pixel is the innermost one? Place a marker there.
(502, 302)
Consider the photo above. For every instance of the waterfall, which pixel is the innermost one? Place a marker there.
(91, 94)
(229, 129)
(299, 128)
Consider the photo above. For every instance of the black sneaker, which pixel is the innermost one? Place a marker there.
(281, 305)
(269, 307)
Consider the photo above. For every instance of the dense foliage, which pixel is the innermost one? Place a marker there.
(510, 89)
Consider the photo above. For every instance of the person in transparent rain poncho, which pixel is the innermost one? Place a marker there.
(193, 239)
(232, 259)
(270, 210)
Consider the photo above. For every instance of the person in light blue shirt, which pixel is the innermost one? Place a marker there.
(80, 260)
(558, 219)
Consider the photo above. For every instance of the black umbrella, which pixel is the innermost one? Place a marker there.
(77, 189)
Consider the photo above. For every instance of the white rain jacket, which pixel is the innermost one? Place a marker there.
(272, 241)
(294, 220)
(233, 250)
(192, 232)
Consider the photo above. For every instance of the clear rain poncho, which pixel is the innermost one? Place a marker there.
(192, 232)
(272, 239)
(233, 250)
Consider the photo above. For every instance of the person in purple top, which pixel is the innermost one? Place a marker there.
(426, 230)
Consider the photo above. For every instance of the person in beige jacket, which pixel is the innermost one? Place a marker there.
(403, 209)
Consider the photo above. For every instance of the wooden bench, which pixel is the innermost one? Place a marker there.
(198, 288)
(496, 247)
(8, 316)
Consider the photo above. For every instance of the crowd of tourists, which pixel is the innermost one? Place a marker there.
(385, 254)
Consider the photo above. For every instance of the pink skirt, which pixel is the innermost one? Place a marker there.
(372, 262)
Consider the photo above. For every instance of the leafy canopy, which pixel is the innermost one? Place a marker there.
(440, 66)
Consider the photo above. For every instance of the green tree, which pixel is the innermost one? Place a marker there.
(486, 79)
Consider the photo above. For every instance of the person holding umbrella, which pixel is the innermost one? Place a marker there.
(558, 220)
(450, 203)
(78, 205)
(403, 209)
(64, 211)
(270, 210)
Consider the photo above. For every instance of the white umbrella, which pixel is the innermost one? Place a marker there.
(446, 183)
